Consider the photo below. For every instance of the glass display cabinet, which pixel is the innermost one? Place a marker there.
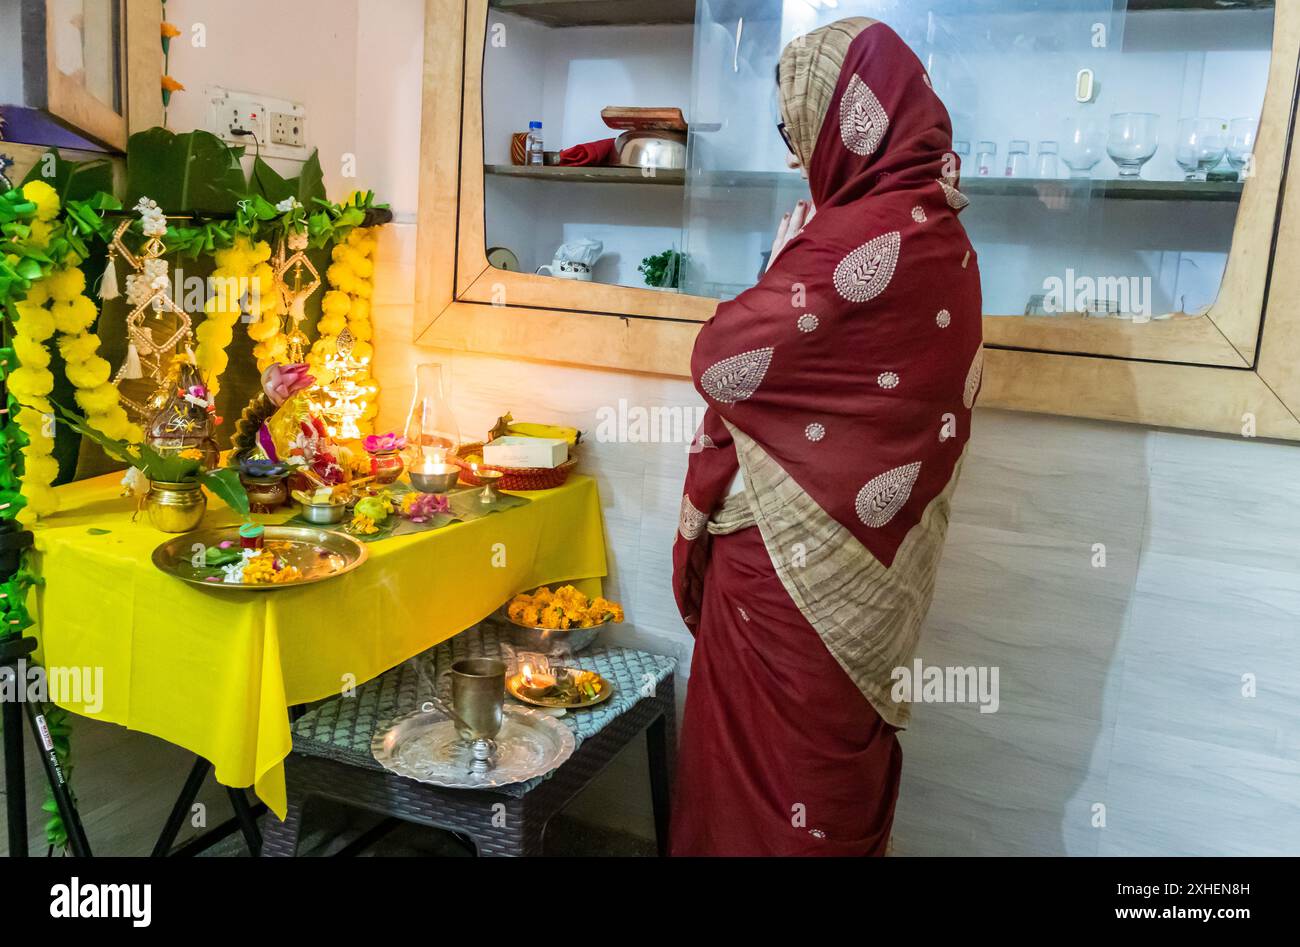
(1125, 162)
(79, 73)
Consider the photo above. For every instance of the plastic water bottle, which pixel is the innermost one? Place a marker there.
(535, 143)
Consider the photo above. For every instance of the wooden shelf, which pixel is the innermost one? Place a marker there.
(600, 12)
(566, 13)
(1108, 189)
(592, 174)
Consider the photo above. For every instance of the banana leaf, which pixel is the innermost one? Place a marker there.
(195, 172)
(73, 180)
(308, 186)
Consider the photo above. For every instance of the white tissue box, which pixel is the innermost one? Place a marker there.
(526, 452)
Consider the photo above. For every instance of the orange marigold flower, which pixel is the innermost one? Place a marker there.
(171, 85)
(170, 30)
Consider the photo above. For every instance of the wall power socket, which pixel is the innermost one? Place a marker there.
(278, 126)
(288, 129)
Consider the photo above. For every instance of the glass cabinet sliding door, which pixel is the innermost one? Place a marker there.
(1123, 158)
(1112, 152)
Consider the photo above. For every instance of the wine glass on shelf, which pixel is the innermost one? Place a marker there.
(1241, 145)
(1200, 146)
(1082, 147)
(1133, 141)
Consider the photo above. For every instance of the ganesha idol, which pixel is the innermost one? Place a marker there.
(279, 426)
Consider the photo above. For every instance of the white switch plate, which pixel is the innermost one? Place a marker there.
(280, 125)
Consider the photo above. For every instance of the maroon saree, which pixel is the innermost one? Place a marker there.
(853, 365)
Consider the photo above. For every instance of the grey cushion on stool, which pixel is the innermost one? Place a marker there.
(331, 748)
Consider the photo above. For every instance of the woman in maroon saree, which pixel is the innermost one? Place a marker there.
(840, 391)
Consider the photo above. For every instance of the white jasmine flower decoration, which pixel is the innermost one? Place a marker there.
(288, 204)
(134, 482)
(152, 220)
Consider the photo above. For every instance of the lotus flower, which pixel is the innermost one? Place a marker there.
(281, 382)
(383, 443)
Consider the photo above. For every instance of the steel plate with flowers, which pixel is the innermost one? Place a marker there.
(558, 686)
(257, 558)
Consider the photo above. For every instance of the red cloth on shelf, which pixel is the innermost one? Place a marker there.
(773, 724)
(593, 152)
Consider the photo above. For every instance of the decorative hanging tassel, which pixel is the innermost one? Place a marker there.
(108, 286)
(131, 367)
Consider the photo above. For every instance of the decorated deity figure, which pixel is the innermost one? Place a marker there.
(279, 425)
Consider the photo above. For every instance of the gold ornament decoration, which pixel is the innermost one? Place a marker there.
(289, 263)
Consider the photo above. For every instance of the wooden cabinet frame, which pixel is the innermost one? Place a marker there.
(141, 58)
(1235, 370)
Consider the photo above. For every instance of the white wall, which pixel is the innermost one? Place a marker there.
(301, 50)
(1120, 686)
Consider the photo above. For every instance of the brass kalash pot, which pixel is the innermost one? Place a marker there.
(175, 507)
(184, 419)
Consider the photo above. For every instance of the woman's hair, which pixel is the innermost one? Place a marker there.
(806, 76)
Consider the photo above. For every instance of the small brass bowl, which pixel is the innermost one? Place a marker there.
(324, 514)
(439, 478)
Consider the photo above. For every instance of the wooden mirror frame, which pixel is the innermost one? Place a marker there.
(1233, 371)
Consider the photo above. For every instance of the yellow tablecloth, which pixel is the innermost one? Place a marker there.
(215, 671)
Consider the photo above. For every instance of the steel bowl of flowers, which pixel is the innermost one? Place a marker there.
(557, 623)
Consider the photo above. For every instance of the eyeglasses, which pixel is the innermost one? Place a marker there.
(785, 137)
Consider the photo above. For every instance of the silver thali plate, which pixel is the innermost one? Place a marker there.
(317, 554)
(426, 747)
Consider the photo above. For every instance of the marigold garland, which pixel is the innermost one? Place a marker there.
(58, 304)
(347, 304)
(243, 281)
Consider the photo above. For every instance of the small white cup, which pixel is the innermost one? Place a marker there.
(567, 269)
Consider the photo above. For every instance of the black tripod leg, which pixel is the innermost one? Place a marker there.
(247, 821)
(193, 783)
(15, 779)
(58, 780)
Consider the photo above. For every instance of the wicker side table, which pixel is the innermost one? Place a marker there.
(331, 751)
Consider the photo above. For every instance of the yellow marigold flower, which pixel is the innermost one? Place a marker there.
(41, 232)
(27, 383)
(191, 453)
(97, 400)
(531, 615)
(41, 500)
(44, 197)
(516, 611)
(75, 348)
(30, 352)
(66, 285)
(34, 322)
(91, 373)
(335, 303)
(74, 316)
(543, 595)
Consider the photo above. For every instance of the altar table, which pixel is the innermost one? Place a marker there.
(215, 671)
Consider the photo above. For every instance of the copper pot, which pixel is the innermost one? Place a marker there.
(265, 494)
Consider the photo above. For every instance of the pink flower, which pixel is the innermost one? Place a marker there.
(380, 443)
(281, 382)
